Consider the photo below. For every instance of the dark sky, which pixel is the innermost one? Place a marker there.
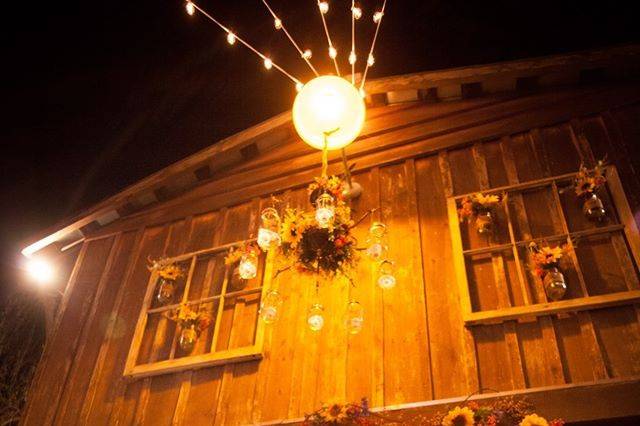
(97, 95)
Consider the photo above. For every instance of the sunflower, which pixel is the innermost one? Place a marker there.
(335, 413)
(534, 420)
(459, 417)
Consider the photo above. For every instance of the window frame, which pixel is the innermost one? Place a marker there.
(212, 358)
(627, 225)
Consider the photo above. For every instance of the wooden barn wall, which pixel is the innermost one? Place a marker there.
(413, 347)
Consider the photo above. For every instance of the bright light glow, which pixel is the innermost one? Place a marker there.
(247, 268)
(299, 86)
(277, 23)
(357, 12)
(362, 93)
(307, 54)
(40, 271)
(231, 38)
(371, 60)
(324, 7)
(328, 104)
(267, 63)
(386, 281)
(190, 8)
(333, 52)
(352, 57)
(377, 17)
(315, 318)
(268, 238)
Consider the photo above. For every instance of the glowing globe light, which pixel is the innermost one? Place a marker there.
(40, 271)
(315, 318)
(248, 269)
(328, 107)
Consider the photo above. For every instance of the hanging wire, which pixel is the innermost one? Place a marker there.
(326, 31)
(352, 55)
(246, 44)
(373, 43)
(293, 42)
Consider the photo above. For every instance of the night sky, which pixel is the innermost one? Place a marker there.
(97, 95)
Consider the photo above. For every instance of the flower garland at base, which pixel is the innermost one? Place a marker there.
(501, 412)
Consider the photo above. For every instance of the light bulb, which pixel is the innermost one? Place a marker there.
(324, 210)
(328, 109)
(354, 317)
(357, 12)
(268, 63)
(371, 60)
(332, 52)
(190, 8)
(377, 17)
(231, 38)
(324, 7)
(315, 318)
(277, 23)
(40, 271)
(306, 54)
(248, 268)
(376, 250)
(268, 235)
(269, 307)
(352, 57)
(386, 279)
(299, 86)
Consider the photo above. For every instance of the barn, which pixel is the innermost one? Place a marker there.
(468, 316)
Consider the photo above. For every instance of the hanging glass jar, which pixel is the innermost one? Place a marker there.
(188, 338)
(355, 317)
(268, 234)
(554, 284)
(484, 222)
(324, 210)
(315, 317)
(377, 247)
(166, 291)
(593, 208)
(386, 277)
(248, 267)
(270, 306)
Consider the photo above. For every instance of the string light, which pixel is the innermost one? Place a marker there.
(371, 60)
(230, 36)
(324, 7)
(306, 54)
(352, 57)
(332, 52)
(377, 18)
(279, 25)
(299, 86)
(190, 9)
(357, 12)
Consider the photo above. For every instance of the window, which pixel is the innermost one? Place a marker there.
(208, 285)
(494, 274)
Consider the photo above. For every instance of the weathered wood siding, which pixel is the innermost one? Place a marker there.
(414, 346)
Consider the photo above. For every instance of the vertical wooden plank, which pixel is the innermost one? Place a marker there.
(364, 355)
(34, 400)
(404, 304)
(451, 345)
(77, 379)
(123, 398)
(67, 338)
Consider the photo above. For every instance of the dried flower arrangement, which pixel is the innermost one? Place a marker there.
(501, 412)
(236, 253)
(480, 208)
(588, 181)
(186, 317)
(310, 248)
(167, 271)
(342, 414)
(545, 257)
